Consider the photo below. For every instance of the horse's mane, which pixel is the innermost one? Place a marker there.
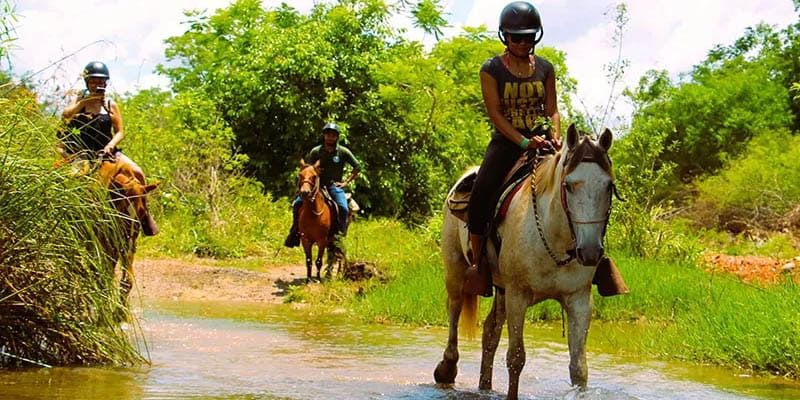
(110, 172)
(546, 173)
(586, 150)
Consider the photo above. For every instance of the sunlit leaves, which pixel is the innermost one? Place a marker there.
(428, 17)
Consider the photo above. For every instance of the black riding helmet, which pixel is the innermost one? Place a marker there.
(520, 17)
(95, 69)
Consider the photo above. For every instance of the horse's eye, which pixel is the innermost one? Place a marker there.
(569, 186)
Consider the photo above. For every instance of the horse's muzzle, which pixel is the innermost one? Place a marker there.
(149, 227)
(590, 256)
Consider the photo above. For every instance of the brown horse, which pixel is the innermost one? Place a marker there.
(314, 219)
(128, 195)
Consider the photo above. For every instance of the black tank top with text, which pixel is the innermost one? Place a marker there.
(522, 100)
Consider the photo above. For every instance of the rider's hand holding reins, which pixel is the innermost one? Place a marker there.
(536, 142)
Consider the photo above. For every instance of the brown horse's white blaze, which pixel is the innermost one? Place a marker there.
(314, 217)
(566, 214)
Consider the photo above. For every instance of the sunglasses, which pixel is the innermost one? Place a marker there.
(522, 37)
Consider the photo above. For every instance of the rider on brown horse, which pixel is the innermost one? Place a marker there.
(332, 157)
(94, 125)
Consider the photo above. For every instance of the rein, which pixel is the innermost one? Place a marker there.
(571, 252)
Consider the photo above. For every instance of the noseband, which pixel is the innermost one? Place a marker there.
(314, 187)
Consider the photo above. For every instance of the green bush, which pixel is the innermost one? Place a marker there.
(755, 189)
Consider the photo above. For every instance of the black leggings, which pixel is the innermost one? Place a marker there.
(501, 155)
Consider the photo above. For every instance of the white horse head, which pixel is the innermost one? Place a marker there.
(587, 185)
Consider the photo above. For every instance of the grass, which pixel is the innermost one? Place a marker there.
(684, 312)
(59, 304)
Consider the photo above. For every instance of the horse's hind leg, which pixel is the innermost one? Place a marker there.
(455, 265)
(579, 316)
(492, 330)
(447, 369)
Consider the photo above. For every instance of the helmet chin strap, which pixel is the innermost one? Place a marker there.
(536, 41)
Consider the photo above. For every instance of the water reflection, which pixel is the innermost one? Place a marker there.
(262, 352)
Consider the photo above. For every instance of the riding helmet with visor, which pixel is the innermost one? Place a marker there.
(95, 69)
(520, 20)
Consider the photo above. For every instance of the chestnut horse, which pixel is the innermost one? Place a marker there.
(128, 195)
(552, 241)
(314, 218)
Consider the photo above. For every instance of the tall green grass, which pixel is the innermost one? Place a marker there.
(59, 303)
(711, 318)
(685, 312)
(410, 258)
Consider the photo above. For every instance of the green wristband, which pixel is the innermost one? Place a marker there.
(524, 143)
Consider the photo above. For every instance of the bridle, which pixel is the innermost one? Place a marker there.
(571, 252)
(315, 185)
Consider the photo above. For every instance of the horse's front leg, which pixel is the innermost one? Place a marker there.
(307, 251)
(127, 279)
(447, 369)
(579, 316)
(318, 262)
(516, 305)
(492, 330)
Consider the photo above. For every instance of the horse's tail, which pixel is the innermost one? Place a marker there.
(468, 323)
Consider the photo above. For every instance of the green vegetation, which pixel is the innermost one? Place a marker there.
(59, 303)
(251, 89)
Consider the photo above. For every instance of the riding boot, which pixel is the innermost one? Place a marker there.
(149, 227)
(478, 277)
(293, 240)
(608, 279)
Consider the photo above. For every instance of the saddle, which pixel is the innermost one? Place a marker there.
(353, 208)
(607, 278)
(458, 199)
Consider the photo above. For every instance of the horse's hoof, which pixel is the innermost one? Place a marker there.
(445, 373)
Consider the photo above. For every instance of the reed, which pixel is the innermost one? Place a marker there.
(59, 303)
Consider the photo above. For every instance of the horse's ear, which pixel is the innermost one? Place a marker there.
(572, 136)
(153, 186)
(605, 139)
(302, 163)
(316, 165)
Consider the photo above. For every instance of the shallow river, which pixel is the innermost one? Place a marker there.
(213, 351)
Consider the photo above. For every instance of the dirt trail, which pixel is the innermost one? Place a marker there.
(172, 279)
(162, 279)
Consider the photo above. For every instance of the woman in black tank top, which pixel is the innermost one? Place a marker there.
(97, 119)
(519, 88)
